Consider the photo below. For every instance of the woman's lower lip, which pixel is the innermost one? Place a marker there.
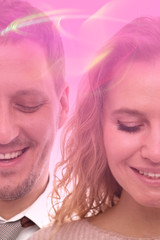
(5, 163)
(147, 180)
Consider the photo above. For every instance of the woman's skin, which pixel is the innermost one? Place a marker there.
(131, 126)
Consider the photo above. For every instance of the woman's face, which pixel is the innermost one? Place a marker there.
(131, 126)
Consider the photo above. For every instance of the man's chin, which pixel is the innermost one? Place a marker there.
(11, 193)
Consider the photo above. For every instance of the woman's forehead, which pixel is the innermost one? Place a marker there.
(135, 85)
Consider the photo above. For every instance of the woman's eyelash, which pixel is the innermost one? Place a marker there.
(131, 129)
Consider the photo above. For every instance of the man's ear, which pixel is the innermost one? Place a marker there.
(64, 105)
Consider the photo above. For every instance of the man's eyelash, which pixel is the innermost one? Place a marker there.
(132, 129)
(27, 108)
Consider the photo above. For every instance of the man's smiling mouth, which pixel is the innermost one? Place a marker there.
(4, 157)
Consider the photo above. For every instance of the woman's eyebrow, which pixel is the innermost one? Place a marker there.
(127, 111)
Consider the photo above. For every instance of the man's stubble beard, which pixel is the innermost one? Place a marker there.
(10, 193)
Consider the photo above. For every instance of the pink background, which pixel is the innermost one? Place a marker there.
(85, 25)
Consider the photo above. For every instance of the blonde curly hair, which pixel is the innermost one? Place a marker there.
(86, 186)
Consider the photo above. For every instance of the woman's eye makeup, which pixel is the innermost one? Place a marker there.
(126, 128)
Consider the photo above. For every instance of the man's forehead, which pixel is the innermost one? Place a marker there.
(18, 49)
(25, 70)
(27, 56)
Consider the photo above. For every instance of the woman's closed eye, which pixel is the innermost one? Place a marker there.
(129, 127)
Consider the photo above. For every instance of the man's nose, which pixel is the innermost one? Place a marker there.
(151, 146)
(8, 127)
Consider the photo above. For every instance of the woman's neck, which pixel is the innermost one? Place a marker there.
(129, 218)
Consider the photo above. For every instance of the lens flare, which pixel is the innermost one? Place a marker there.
(99, 59)
(85, 37)
(55, 15)
(58, 16)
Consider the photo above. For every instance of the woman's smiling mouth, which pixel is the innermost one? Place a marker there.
(148, 174)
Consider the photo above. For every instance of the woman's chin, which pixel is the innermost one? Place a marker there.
(150, 202)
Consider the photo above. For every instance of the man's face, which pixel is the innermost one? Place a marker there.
(28, 118)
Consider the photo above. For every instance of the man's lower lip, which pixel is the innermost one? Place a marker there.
(10, 162)
(145, 179)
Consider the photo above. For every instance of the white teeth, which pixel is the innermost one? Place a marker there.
(7, 156)
(148, 174)
(10, 155)
(157, 175)
(151, 174)
(145, 174)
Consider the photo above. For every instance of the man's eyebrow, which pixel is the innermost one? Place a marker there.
(27, 92)
(126, 111)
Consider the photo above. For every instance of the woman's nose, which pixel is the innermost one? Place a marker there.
(151, 146)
